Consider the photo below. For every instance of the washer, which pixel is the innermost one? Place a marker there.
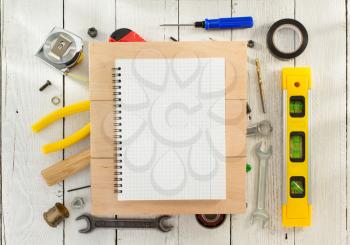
(56, 100)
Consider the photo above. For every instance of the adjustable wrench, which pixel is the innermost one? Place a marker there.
(94, 222)
(260, 211)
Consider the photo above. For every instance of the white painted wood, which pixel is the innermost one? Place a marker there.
(25, 195)
(242, 230)
(144, 17)
(327, 57)
(79, 15)
(192, 10)
(348, 128)
(190, 232)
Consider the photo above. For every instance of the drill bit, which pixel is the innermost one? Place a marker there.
(260, 83)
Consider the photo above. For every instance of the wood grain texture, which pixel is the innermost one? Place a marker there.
(67, 167)
(25, 196)
(102, 118)
(144, 18)
(189, 12)
(347, 192)
(79, 15)
(242, 230)
(102, 57)
(328, 122)
(105, 202)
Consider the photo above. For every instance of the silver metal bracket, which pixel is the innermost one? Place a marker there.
(61, 49)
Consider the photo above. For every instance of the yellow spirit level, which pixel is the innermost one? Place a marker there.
(296, 192)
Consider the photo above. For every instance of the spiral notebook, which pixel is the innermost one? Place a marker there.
(102, 57)
(169, 128)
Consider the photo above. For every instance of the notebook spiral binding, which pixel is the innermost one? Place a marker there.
(117, 138)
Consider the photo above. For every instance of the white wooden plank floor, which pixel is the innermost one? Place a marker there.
(24, 25)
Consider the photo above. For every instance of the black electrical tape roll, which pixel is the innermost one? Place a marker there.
(292, 24)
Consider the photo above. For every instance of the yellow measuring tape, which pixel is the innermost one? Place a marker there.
(296, 196)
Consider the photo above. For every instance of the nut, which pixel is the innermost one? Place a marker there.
(78, 203)
(250, 44)
(92, 32)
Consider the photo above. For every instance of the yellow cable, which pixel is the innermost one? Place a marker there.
(70, 140)
(60, 113)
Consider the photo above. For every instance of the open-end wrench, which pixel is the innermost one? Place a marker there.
(263, 128)
(94, 222)
(260, 211)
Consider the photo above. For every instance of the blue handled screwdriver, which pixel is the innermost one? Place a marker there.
(221, 23)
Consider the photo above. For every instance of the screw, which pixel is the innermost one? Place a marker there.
(92, 32)
(250, 44)
(45, 85)
(174, 39)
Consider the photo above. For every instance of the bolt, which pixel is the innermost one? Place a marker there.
(174, 39)
(92, 32)
(250, 44)
(45, 85)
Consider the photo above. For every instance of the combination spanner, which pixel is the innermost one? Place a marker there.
(263, 128)
(94, 222)
(260, 211)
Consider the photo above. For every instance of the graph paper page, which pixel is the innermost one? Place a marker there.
(173, 128)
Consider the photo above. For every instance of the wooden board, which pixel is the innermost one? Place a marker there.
(189, 231)
(102, 58)
(22, 104)
(78, 16)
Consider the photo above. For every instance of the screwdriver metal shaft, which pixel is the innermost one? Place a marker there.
(177, 25)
